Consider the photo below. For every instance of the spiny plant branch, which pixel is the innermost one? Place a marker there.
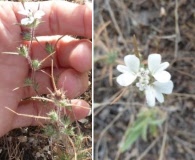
(26, 115)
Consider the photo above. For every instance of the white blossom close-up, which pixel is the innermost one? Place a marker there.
(129, 71)
(156, 91)
(157, 68)
(30, 16)
(153, 80)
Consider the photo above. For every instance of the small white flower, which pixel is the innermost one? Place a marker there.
(39, 14)
(144, 78)
(30, 16)
(129, 72)
(26, 12)
(27, 21)
(157, 68)
(156, 90)
(154, 80)
(132, 70)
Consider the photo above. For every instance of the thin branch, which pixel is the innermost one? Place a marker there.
(75, 153)
(148, 149)
(164, 142)
(26, 115)
(177, 32)
(105, 130)
(119, 96)
(52, 77)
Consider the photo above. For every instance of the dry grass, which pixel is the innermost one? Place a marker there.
(165, 27)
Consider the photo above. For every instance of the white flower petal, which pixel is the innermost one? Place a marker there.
(27, 21)
(150, 96)
(122, 68)
(39, 14)
(165, 88)
(126, 79)
(159, 96)
(154, 61)
(162, 66)
(24, 12)
(132, 62)
(162, 76)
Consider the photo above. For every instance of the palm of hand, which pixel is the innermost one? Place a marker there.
(15, 69)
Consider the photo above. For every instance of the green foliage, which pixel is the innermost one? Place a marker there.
(36, 65)
(64, 157)
(49, 48)
(62, 103)
(23, 50)
(53, 115)
(26, 36)
(111, 57)
(82, 156)
(50, 130)
(29, 82)
(148, 120)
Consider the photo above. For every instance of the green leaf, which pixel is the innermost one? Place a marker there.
(144, 132)
(111, 57)
(36, 65)
(130, 138)
(147, 120)
(140, 124)
(49, 48)
(157, 122)
(153, 130)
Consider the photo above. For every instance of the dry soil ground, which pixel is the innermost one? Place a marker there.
(164, 27)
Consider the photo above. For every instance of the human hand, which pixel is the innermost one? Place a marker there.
(73, 57)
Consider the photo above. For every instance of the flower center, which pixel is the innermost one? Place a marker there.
(144, 78)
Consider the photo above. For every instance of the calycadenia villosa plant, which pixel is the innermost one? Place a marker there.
(153, 81)
(60, 128)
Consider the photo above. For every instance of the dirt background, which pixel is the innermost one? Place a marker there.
(166, 27)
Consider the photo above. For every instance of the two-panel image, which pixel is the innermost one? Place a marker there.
(97, 80)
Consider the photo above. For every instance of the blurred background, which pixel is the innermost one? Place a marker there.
(164, 27)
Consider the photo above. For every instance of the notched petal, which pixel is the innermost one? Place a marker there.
(154, 61)
(122, 68)
(150, 97)
(163, 66)
(159, 96)
(24, 12)
(125, 79)
(39, 14)
(162, 76)
(165, 88)
(132, 62)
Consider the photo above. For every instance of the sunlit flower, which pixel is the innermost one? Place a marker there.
(156, 91)
(30, 16)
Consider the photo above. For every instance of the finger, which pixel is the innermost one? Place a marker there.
(69, 80)
(79, 57)
(80, 110)
(62, 18)
(73, 82)
(70, 52)
(38, 109)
